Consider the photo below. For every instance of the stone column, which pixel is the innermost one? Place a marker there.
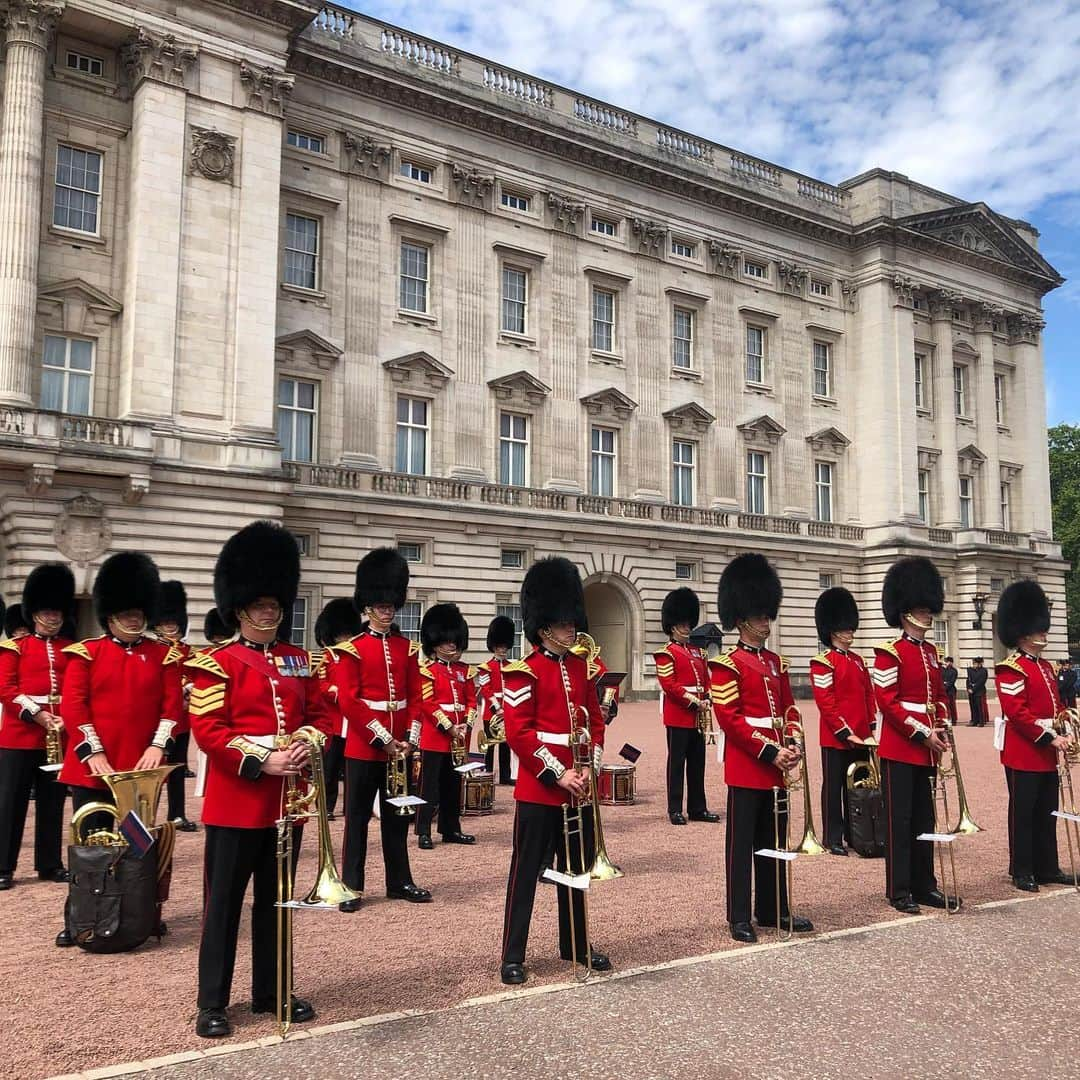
(29, 24)
(948, 470)
(568, 468)
(986, 416)
(1025, 340)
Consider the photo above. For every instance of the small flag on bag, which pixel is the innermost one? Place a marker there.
(136, 834)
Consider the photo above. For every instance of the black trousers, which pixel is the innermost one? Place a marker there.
(907, 791)
(174, 785)
(440, 787)
(977, 705)
(686, 759)
(333, 769)
(504, 762)
(1033, 798)
(20, 773)
(363, 780)
(751, 825)
(539, 840)
(835, 813)
(950, 700)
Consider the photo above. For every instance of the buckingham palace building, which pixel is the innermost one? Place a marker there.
(266, 258)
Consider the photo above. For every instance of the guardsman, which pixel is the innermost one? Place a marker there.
(378, 681)
(31, 676)
(751, 693)
(122, 692)
(548, 699)
(489, 688)
(846, 708)
(682, 670)
(171, 628)
(1029, 745)
(337, 622)
(249, 700)
(447, 714)
(914, 711)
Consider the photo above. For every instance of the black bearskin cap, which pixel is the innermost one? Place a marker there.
(173, 605)
(835, 610)
(215, 627)
(339, 619)
(749, 586)
(13, 620)
(50, 587)
(442, 623)
(911, 583)
(127, 581)
(680, 606)
(551, 593)
(262, 559)
(1022, 610)
(500, 632)
(382, 577)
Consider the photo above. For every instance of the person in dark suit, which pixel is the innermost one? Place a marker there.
(949, 675)
(976, 691)
(1066, 680)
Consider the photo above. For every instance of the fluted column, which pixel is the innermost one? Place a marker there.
(948, 469)
(1025, 334)
(986, 417)
(28, 24)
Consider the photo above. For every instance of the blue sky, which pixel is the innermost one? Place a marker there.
(977, 99)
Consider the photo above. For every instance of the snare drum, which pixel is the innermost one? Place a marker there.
(477, 792)
(618, 785)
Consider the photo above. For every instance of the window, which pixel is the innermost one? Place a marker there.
(822, 369)
(918, 303)
(603, 320)
(826, 581)
(512, 612)
(753, 269)
(78, 189)
(513, 449)
(920, 381)
(303, 140)
(823, 493)
(997, 584)
(682, 473)
(924, 496)
(683, 248)
(967, 503)
(757, 482)
(297, 413)
(303, 543)
(999, 398)
(409, 619)
(1006, 513)
(299, 626)
(514, 202)
(684, 571)
(301, 251)
(755, 354)
(959, 383)
(603, 226)
(85, 65)
(412, 435)
(411, 552)
(512, 559)
(67, 375)
(602, 479)
(940, 635)
(515, 291)
(820, 288)
(415, 259)
(420, 173)
(682, 340)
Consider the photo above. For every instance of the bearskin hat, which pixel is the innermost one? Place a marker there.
(214, 626)
(835, 610)
(50, 587)
(262, 559)
(501, 632)
(551, 593)
(749, 586)
(1022, 610)
(173, 605)
(442, 623)
(913, 582)
(680, 606)
(382, 577)
(338, 620)
(13, 620)
(127, 581)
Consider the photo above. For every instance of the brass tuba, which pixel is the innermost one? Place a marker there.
(137, 790)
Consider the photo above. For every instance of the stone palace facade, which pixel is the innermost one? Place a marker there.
(262, 258)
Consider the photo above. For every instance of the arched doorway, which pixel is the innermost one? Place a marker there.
(609, 623)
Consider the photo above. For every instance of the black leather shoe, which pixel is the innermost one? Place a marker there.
(59, 875)
(1025, 884)
(676, 819)
(906, 905)
(458, 838)
(212, 1024)
(331, 816)
(743, 931)
(302, 1011)
(837, 849)
(161, 929)
(350, 906)
(188, 774)
(936, 899)
(600, 961)
(6, 882)
(413, 893)
(183, 825)
(708, 816)
(424, 843)
(1059, 877)
(512, 974)
(793, 924)
(64, 940)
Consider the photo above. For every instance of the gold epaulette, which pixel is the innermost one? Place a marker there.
(205, 662)
(1012, 661)
(342, 647)
(424, 665)
(9, 643)
(414, 647)
(663, 652)
(889, 647)
(724, 660)
(822, 658)
(470, 673)
(173, 656)
(78, 649)
(519, 665)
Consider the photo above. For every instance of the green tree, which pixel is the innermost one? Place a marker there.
(1065, 499)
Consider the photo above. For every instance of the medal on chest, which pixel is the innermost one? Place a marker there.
(295, 667)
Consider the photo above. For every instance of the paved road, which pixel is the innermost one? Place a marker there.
(988, 993)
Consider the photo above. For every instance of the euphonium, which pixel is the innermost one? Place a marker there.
(492, 733)
(137, 790)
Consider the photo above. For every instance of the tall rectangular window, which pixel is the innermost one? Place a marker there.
(602, 473)
(512, 612)
(920, 381)
(757, 482)
(515, 296)
(1006, 507)
(682, 342)
(603, 320)
(67, 374)
(301, 251)
(822, 369)
(826, 581)
(755, 354)
(967, 502)
(297, 415)
(77, 191)
(412, 436)
(959, 383)
(298, 628)
(682, 473)
(409, 619)
(513, 449)
(999, 398)
(823, 491)
(940, 636)
(924, 496)
(415, 270)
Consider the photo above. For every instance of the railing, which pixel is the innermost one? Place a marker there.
(767, 523)
(604, 116)
(518, 86)
(1002, 538)
(814, 189)
(752, 169)
(334, 21)
(418, 51)
(675, 142)
(940, 536)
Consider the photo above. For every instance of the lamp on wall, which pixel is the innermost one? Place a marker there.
(978, 602)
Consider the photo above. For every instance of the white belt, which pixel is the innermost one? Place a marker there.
(553, 739)
(451, 708)
(913, 706)
(762, 721)
(694, 689)
(43, 699)
(384, 706)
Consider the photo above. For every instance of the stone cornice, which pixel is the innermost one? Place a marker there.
(294, 15)
(31, 22)
(159, 57)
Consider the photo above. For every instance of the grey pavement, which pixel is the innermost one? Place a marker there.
(987, 993)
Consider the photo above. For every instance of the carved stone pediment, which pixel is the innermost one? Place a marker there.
(689, 417)
(610, 404)
(160, 57)
(267, 89)
(366, 156)
(290, 348)
(419, 369)
(971, 459)
(830, 440)
(519, 388)
(762, 431)
(82, 306)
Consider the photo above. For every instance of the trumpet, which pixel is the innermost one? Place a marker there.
(871, 767)
(1067, 723)
(705, 721)
(397, 781)
(459, 750)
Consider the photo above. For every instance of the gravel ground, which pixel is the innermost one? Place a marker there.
(393, 956)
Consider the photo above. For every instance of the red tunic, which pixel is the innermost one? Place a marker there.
(683, 674)
(186, 651)
(326, 672)
(544, 696)
(118, 699)
(844, 695)
(908, 686)
(751, 693)
(489, 688)
(447, 697)
(31, 676)
(1028, 694)
(245, 702)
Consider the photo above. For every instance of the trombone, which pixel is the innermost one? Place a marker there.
(940, 796)
(965, 824)
(1067, 723)
(574, 838)
(784, 868)
(603, 869)
(793, 735)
